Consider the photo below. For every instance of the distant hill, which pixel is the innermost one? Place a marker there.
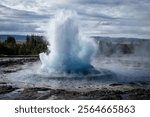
(17, 37)
(117, 38)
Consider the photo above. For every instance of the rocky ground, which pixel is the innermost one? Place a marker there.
(112, 91)
(12, 63)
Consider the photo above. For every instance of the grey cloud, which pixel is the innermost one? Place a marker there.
(14, 13)
(117, 17)
(17, 27)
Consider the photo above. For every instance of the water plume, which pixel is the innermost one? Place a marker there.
(69, 50)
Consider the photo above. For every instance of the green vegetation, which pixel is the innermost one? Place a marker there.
(32, 46)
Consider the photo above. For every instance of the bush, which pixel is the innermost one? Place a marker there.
(32, 46)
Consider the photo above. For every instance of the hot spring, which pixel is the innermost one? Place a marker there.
(69, 50)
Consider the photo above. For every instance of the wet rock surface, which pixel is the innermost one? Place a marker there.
(6, 88)
(16, 61)
(42, 93)
(13, 64)
(139, 94)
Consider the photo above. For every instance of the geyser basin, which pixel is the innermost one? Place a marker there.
(111, 71)
(32, 77)
(69, 51)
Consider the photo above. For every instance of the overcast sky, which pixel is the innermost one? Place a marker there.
(121, 18)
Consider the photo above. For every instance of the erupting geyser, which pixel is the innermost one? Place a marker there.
(69, 51)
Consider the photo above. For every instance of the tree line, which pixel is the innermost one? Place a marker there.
(33, 45)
